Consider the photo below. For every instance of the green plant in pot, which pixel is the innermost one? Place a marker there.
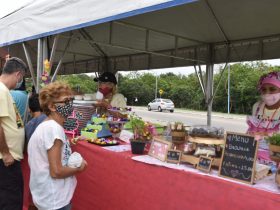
(274, 147)
(141, 134)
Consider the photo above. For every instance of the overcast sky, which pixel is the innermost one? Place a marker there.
(8, 6)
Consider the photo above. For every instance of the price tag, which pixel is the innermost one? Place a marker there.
(125, 135)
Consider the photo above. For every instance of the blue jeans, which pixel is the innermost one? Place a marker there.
(67, 207)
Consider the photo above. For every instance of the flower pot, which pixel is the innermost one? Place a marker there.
(274, 152)
(137, 147)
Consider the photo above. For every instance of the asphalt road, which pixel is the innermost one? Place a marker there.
(230, 122)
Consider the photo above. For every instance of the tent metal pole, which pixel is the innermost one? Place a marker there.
(137, 50)
(222, 74)
(200, 82)
(45, 50)
(29, 62)
(228, 89)
(209, 85)
(55, 43)
(209, 91)
(95, 46)
(86, 35)
(157, 31)
(61, 59)
(39, 63)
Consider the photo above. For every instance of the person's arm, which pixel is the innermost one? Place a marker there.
(57, 170)
(117, 114)
(119, 102)
(4, 150)
(103, 103)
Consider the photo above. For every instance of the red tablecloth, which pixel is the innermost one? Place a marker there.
(113, 181)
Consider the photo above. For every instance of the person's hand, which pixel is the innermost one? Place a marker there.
(83, 166)
(104, 104)
(8, 159)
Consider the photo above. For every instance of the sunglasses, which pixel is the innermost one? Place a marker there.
(65, 101)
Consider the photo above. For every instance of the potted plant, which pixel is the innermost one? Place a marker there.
(274, 147)
(142, 133)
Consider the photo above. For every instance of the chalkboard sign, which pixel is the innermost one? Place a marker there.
(159, 148)
(173, 156)
(71, 124)
(239, 157)
(204, 163)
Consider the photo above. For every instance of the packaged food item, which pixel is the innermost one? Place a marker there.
(75, 160)
(205, 150)
(206, 131)
(189, 148)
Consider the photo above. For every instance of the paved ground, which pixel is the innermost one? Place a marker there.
(230, 122)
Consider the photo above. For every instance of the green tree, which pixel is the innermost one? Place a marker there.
(84, 82)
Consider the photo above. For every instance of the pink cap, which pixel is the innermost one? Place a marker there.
(272, 78)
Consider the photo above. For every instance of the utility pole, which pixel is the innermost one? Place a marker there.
(156, 88)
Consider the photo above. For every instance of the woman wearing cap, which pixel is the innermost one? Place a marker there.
(107, 95)
(266, 113)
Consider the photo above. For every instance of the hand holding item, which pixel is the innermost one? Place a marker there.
(104, 103)
(8, 159)
(99, 95)
(83, 166)
(75, 160)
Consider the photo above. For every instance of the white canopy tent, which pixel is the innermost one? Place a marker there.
(80, 36)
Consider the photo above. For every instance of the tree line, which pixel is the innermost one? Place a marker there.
(185, 90)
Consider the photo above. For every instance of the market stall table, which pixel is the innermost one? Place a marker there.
(114, 181)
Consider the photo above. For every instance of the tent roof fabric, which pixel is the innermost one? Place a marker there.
(145, 34)
(43, 18)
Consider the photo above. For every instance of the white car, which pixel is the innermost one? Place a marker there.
(161, 104)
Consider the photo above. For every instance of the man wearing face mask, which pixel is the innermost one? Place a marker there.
(20, 96)
(11, 137)
(107, 95)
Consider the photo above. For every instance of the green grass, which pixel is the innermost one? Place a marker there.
(159, 128)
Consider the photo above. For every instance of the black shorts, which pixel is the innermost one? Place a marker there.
(11, 186)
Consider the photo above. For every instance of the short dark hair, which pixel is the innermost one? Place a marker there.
(14, 64)
(33, 103)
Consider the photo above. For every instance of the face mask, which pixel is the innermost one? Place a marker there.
(65, 110)
(271, 99)
(19, 84)
(105, 90)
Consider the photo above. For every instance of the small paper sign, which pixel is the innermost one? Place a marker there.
(125, 135)
(173, 156)
(204, 163)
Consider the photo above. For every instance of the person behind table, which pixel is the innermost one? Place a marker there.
(11, 137)
(107, 85)
(36, 114)
(266, 113)
(52, 182)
